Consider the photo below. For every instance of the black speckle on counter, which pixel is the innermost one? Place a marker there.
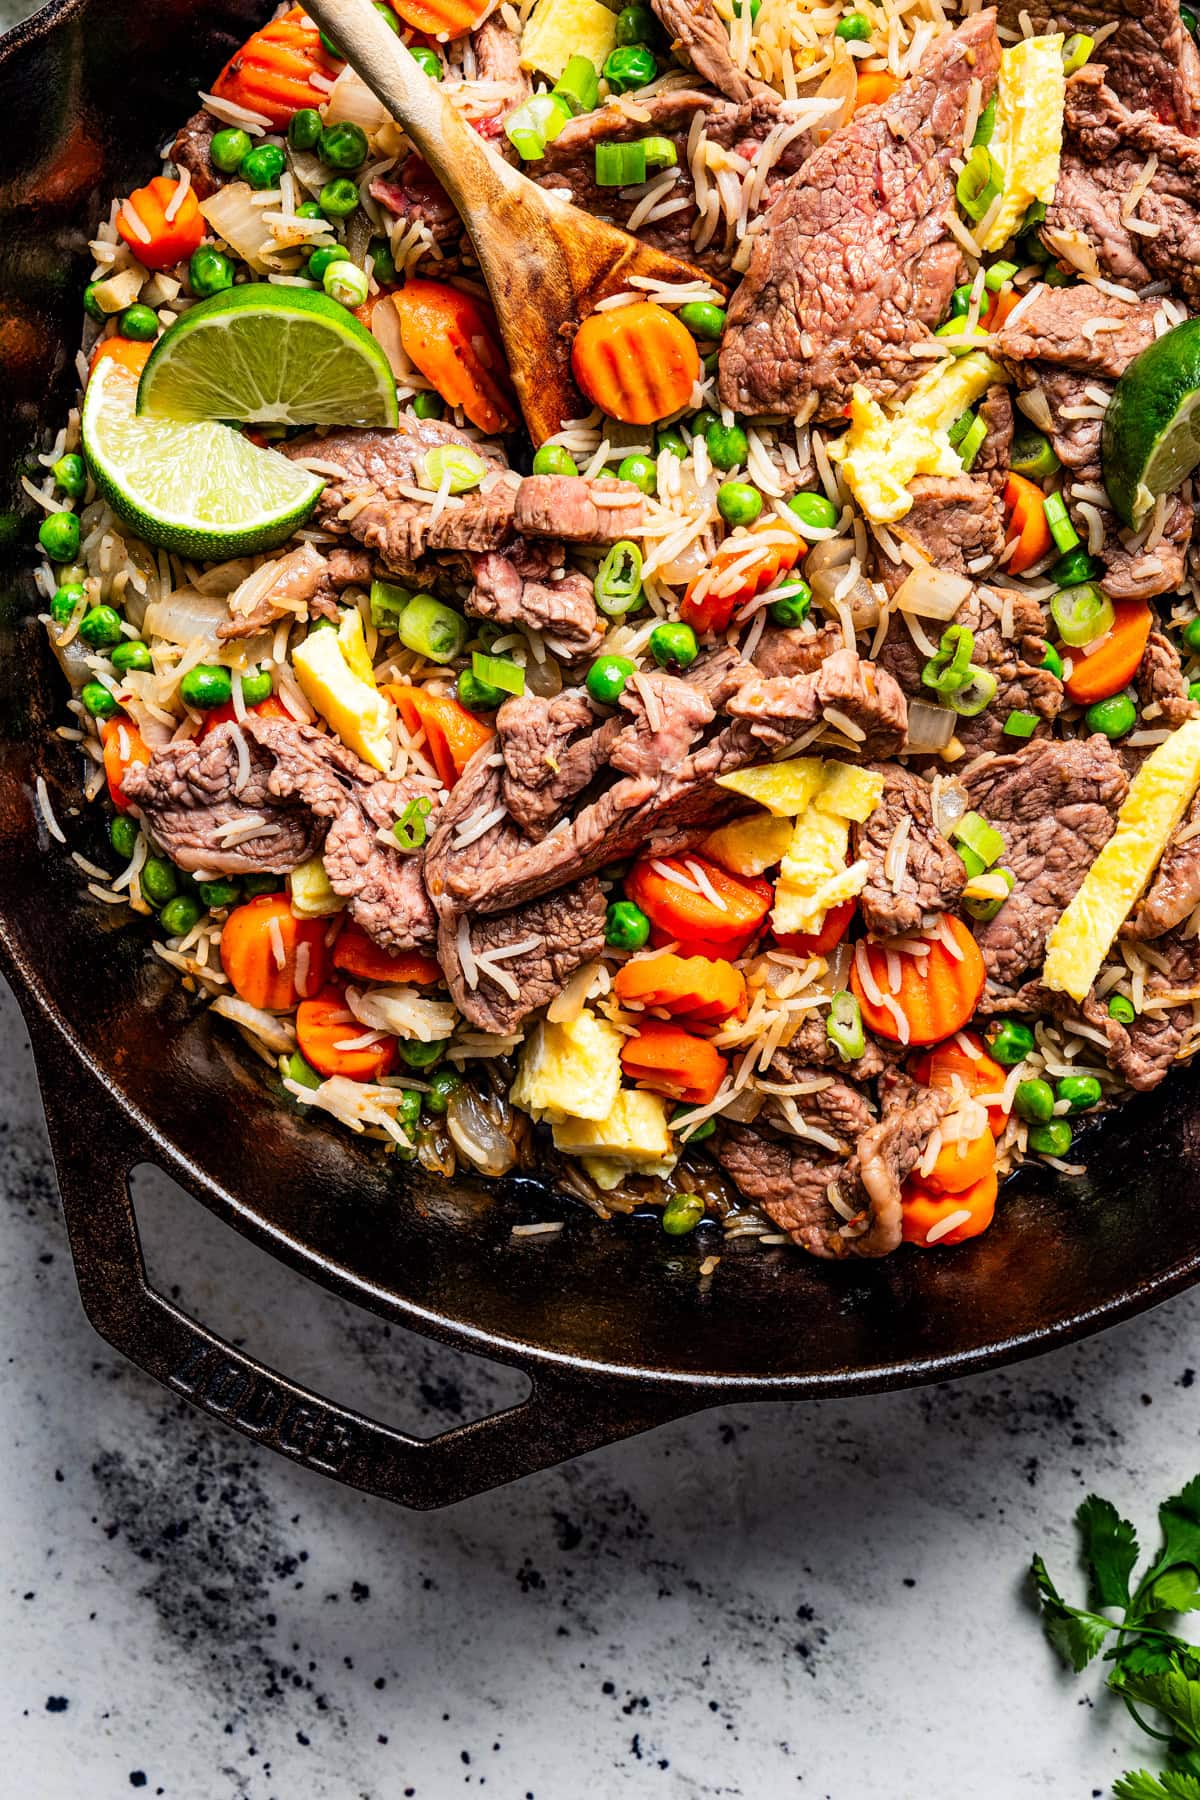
(57, 1703)
(137, 1778)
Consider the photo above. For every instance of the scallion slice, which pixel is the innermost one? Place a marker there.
(618, 583)
(1020, 724)
(950, 669)
(578, 85)
(411, 829)
(987, 123)
(1076, 51)
(844, 1027)
(1082, 614)
(1058, 519)
(498, 672)
(536, 123)
(979, 692)
(980, 183)
(972, 442)
(387, 603)
(460, 468)
(627, 165)
(974, 831)
(998, 275)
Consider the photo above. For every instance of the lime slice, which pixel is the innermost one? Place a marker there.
(1151, 437)
(267, 355)
(202, 490)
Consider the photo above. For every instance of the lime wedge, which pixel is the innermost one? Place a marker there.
(202, 490)
(267, 355)
(1151, 436)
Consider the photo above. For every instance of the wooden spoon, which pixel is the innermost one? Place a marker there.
(545, 261)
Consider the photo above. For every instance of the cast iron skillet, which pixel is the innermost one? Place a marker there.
(611, 1323)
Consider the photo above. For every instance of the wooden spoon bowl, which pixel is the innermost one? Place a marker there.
(546, 262)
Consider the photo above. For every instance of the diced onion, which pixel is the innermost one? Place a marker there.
(385, 329)
(117, 292)
(352, 102)
(233, 218)
(1034, 404)
(184, 616)
(950, 802)
(472, 1123)
(543, 678)
(841, 84)
(932, 593)
(929, 727)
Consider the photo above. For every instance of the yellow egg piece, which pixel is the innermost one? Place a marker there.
(1027, 135)
(749, 846)
(570, 1070)
(311, 892)
(813, 875)
(784, 788)
(557, 30)
(849, 793)
(634, 1130)
(1159, 795)
(360, 715)
(353, 645)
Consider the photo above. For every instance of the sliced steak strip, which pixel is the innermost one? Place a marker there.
(1151, 58)
(812, 1047)
(995, 453)
(192, 150)
(931, 875)
(854, 263)
(789, 650)
(599, 510)
(1160, 684)
(1142, 1052)
(668, 715)
(1078, 328)
(192, 799)
(416, 194)
(781, 706)
(956, 523)
(788, 1179)
(300, 578)
(1055, 805)
(1174, 893)
(561, 607)
(384, 886)
(1142, 573)
(498, 61)
(697, 29)
(552, 749)
(569, 929)
(887, 1153)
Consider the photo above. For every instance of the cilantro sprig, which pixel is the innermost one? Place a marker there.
(1154, 1670)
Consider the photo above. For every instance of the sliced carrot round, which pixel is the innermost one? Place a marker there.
(934, 994)
(636, 363)
(358, 955)
(329, 1039)
(272, 958)
(668, 1060)
(940, 1068)
(665, 887)
(123, 746)
(1114, 662)
(704, 990)
(923, 1212)
(961, 1162)
(172, 224)
(455, 342)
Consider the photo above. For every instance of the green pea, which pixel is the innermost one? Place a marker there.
(637, 25)
(305, 128)
(179, 915)
(339, 198)
(682, 1213)
(606, 678)
(428, 406)
(631, 66)
(1053, 661)
(1113, 717)
(441, 1085)
(711, 363)
(422, 1056)
(738, 503)
(206, 686)
(1052, 1139)
(383, 263)
(793, 608)
(229, 149)
(257, 686)
(131, 655)
(324, 258)
(159, 883)
(140, 323)
(91, 304)
(1191, 635)
(1122, 1010)
(641, 471)
(670, 439)
(100, 627)
(728, 445)
(1034, 1101)
(814, 510)
(343, 146)
(1080, 1092)
(432, 630)
(388, 16)
(700, 422)
(58, 536)
(476, 695)
(626, 926)
(254, 885)
(428, 60)
(1009, 1042)
(853, 29)
(123, 836)
(66, 599)
(97, 699)
(552, 459)
(408, 1112)
(674, 645)
(263, 167)
(210, 271)
(217, 894)
(308, 209)
(703, 319)
(70, 474)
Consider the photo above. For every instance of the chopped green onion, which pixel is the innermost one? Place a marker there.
(950, 669)
(957, 328)
(844, 1027)
(980, 183)
(1076, 51)
(387, 603)
(297, 1070)
(461, 469)
(960, 428)
(432, 630)
(618, 583)
(1020, 724)
(974, 831)
(1057, 518)
(627, 165)
(985, 895)
(498, 672)
(578, 85)
(1033, 455)
(998, 275)
(1082, 614)
(660, 153)
(411, 829)
(1122, 1010)
(986, 125)
(972, 443)
(980, 691)
(974, 865)
(536, 123)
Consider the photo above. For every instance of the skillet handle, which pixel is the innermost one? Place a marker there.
(566, 1414)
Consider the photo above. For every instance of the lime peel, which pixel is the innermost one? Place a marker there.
(1150, 441)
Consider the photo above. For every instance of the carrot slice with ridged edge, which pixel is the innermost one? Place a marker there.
(272, 72)
(922, 1212)
(636, 363)
(704, 990)
(260, 953)
(668, 1060)
(454, 340)
(360, 956)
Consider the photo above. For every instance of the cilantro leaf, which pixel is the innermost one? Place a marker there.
(1076, 1635)
(1171, 1785)
(1178, 1590)
(1180, 1520)
(1172, 1692)
(1110, 1549)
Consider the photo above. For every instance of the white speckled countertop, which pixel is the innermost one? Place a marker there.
(825, 1600)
